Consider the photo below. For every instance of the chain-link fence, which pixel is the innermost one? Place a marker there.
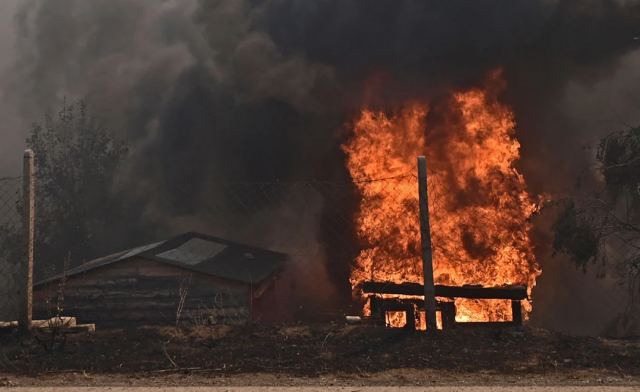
(310, 220)
(338, 232)
(11, 246)
(341, 218)
(345, 233)
(17, 233)
(302, 218)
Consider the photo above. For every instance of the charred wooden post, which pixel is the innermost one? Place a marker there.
(26, 270)
(377, 309)
(427, 253)
(410, 316)
(516, 312)
(448, 313)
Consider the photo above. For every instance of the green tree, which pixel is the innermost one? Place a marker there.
(76, 208)
(604, 225)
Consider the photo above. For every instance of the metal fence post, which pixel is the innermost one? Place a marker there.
(427, 253)
(29, 203)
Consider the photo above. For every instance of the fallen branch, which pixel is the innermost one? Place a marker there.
(185, 369)
(166, 354)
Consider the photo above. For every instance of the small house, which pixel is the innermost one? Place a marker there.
(192, 278)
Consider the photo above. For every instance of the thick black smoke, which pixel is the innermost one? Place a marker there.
(260, 90)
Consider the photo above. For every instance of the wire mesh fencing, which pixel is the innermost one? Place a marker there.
(333, 229)
(299, 217)
(12, 246)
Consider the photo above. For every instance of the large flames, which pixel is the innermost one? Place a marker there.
(478, 202)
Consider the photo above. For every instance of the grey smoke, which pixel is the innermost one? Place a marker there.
(251, 90)
(12, 139)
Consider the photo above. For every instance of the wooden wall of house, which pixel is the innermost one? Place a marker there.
(277, 302)
(140, 291)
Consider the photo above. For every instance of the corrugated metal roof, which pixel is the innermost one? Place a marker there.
(194, 251)
(201, 253)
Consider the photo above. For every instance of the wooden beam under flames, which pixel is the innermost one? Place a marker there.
(514, 293)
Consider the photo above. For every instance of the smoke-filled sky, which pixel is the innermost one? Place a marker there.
(11, 140)
(261, 89)
(264, 86)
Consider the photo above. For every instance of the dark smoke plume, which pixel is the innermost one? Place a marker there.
(260, 90)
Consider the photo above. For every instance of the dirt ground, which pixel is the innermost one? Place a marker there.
(309, 355)
(338, 389)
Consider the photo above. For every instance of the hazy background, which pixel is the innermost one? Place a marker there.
(11, 129)
(261, 90)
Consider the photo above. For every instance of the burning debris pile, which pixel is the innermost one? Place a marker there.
(478, 201)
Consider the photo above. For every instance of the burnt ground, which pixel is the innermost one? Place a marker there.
(318, 352)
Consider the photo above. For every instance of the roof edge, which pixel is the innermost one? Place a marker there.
(170, 243)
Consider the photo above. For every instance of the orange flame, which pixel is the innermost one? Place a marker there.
(478, 202)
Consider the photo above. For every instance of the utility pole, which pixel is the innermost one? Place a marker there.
(427, 252)
(26, 270)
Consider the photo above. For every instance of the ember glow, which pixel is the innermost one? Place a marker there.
(478, 202)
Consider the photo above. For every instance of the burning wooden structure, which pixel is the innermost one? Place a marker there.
(408, 298)
(477, 211)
